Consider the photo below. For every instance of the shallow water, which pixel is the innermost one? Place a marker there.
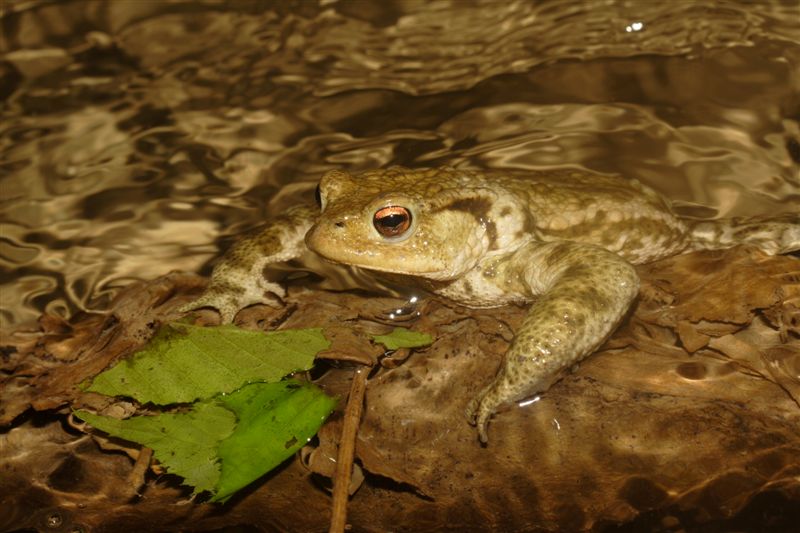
(138, 137)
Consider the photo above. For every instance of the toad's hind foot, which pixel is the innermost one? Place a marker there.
(481, 409)
(774, 235)
(505, 389)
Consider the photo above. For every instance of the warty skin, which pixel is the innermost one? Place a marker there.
(564, 241)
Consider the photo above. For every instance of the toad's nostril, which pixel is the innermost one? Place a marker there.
(339, 224)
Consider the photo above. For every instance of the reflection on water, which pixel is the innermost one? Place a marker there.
(135, 137)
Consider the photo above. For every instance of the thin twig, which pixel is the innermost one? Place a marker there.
(347, 445)
(136, 476)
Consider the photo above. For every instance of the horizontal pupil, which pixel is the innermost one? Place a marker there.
(392, 220)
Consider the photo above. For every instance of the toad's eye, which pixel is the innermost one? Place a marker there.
(392, 221)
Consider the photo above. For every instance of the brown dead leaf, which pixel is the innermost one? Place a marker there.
(351, 346)
(692, 339)
(321, 459)
(722, 285)
(45, 374)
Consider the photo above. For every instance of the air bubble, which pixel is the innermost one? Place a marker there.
(54, 520)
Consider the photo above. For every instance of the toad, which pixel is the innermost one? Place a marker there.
(563, 242)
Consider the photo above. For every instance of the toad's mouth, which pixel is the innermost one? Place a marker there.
(380, 258)
(376, 262)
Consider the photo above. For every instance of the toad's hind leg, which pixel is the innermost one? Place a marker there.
(585, 291)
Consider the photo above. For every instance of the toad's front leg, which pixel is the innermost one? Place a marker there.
(238, 279)
(584, 293)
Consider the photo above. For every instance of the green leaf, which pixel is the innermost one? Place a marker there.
(275, 420)
(223, 444)
(403, 338)
(228, 439)
(183, 363)
(186, 443)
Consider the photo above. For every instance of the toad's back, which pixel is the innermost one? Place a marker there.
(618, 214)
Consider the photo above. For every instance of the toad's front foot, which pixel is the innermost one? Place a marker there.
(238, 279)
(229, 299)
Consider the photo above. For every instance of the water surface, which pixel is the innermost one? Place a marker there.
(138, 137)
